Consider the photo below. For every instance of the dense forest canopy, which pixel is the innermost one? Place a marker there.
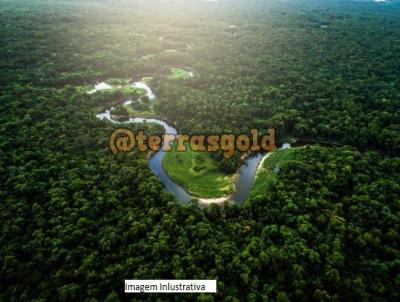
(76, 221)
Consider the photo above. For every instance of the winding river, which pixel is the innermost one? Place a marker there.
(244, 181)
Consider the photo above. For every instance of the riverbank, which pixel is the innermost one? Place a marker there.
(195, 174)
(268, 169)
(207, 202)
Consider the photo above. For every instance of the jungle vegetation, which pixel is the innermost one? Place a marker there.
(76, 220)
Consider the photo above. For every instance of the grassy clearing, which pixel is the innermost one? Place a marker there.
(178, 74)
(128, 90)
(266, 175)
(120, 85)
(197, 172)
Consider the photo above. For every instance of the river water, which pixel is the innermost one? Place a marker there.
(243, 184)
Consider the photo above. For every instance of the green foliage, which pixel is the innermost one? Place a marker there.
(198, 173)
(178, 74)
(268, 170)
(120, 111)
(76, 221)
